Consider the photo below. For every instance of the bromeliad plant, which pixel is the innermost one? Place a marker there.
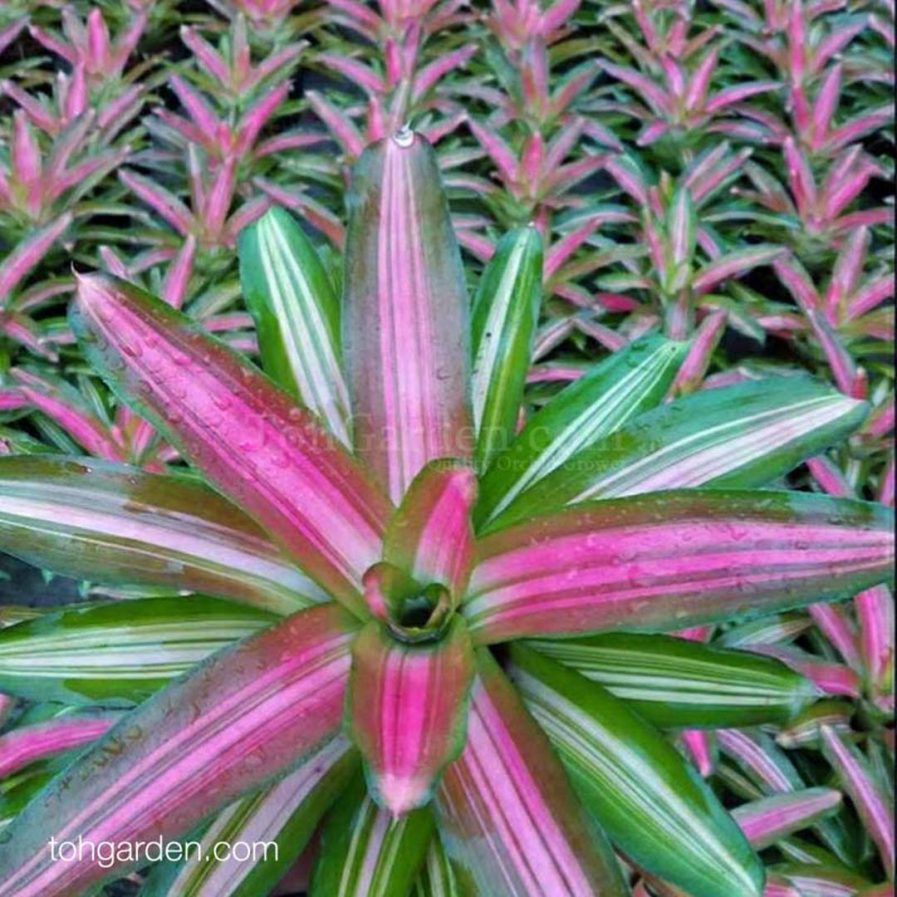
(391, 577)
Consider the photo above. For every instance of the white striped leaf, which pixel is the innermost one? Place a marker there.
(649, 800)
(232, 726)
(405, 315)
(437, 878)
(735, 437)
(505, 314)
(628, 382)
(116, 525)
(118, 653)
(367, 852)
(678, 683)
(507, 814)
(297, 316)
(249, 846)
(769, 819)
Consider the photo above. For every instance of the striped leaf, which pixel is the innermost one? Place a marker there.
(244, 717)
(119, 653)
(405, 323)
(430, 535)
(506, 811)
(367, 852)
(30, 743)
(628, 382)
(437, 877)
(247, 436)
(643, 793)
(737, 437)
(769, 819)
(297, 316)
(674, 559)
(874, 806)
(407, 707)
(272, 827)
(116, 525)
(678, 683)
(505, 315)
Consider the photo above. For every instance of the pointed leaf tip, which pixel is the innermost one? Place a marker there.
(405, 322)
(407, 711)
(248, 437)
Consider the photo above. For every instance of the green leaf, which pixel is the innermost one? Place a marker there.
(366, 852)
(505, 314)
(297, 316)
(678, 683)
(623, 385)
(118, 653)
(735, 437)
(652, 804)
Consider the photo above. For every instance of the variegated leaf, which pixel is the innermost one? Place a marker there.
(405, 323)
(367, 852)
(643, 793)
(406, 710)
(505, 314)
(507, 814)
(250, 845)
(437, 877)
(677, 683)
(113, 524)
(246, 435)
(430, 535)
(118, 653)
(242, 718)
(769, 819)
(674, 559)
(873, 804)
(628, 382)
(297, 316)
(735, 437)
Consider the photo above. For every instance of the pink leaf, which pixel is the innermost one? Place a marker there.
(406, 313)
(407, 709)
(246, 435)
(689, 557)
(506, 810)
(430, 535)
(246, 716)
(37, 741)
(874, 807)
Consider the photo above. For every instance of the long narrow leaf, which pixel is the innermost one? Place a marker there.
(674, 682)
(297, 316)
(674, 559)
(648, 799)
(628, 382)
(118, 653)
(505, 314)
(405, 323)
(245, 716)
(264, 833)
(113, 524)
(736, 437)
(366, 852)
(246, 435)
(506, 811)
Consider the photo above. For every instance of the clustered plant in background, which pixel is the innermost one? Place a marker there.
(550, 556)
